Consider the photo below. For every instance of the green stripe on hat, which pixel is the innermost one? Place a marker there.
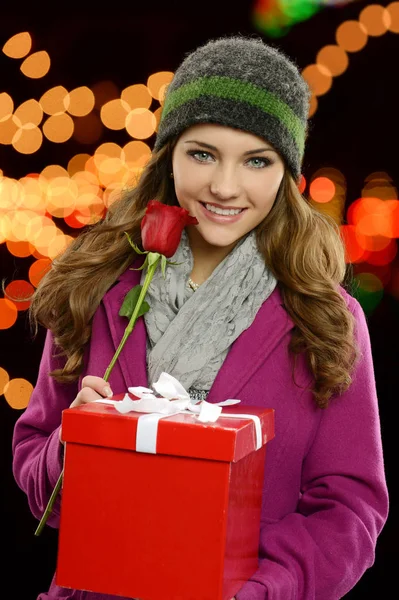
(239, 91)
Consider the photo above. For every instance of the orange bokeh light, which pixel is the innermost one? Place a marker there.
(137, 96)
(80, 101)
(334, 59)
(302, 184)
(18, 45)
(58, 128)
(384, 256)
(351, 36)
(38, 269)
(140, 123)
(322, 189)
(20, 292)
(20, 249)
(4, 379)
(354, 245)
(6, 106)
(17, 392)
(113, 114)
(318, 78)
(157, 81)
(28, 139)
(376, 19)
(36, 65)
(393, 11)
(54, 100)
(8, 313)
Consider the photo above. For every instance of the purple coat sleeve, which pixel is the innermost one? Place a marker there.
(322, 550)
(37, 451)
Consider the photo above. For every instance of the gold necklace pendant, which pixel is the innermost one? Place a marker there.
(194, 286)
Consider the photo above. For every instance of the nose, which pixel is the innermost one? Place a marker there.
(224, 182)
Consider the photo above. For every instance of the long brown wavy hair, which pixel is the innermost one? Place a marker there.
(302, 248)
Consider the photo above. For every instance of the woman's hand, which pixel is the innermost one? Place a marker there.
(92, 388)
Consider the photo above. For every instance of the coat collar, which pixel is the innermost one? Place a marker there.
(244, 358)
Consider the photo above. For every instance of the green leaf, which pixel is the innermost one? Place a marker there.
(163, 265)
(143, 266)
(130, 302)
(133, 245)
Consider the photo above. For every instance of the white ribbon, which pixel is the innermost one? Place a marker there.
(172, 399)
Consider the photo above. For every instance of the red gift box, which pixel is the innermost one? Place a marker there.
(179, 524)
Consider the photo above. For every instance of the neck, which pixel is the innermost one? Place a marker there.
(206, 257)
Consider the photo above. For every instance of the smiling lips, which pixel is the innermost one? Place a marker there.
(221, 214)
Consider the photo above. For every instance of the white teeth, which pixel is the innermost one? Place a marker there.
(223, 211)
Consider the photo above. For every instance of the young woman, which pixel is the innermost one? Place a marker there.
(256, 310)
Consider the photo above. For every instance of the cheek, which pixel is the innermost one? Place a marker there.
(189, 182)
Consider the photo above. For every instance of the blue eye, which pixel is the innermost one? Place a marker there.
(259, 162)
(200, 155)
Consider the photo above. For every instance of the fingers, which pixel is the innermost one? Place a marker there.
(98, 384)
(92, 389)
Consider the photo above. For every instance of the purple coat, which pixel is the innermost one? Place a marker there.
(325, 498)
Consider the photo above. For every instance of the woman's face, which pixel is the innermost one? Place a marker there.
(228, 179)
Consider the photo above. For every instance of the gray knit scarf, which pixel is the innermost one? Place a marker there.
(190, 333)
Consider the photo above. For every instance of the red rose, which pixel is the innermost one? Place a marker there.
(162, 226)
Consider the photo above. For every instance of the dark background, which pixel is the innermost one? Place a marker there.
(355, 130)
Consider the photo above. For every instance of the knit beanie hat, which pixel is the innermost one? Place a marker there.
(243, 83)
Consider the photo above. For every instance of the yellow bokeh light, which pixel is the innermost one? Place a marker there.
(376, 19)
(37, 65)
(61, 196)
(112, 170)
(393, 11)
(318, 78)
(351, 36)
(109, 150)
(334, 59)
(77, 163)
(17, 392)
(112, 193)
(87, 183)
(113, 114)
(58, 128)
(136, 153)
(18, 45)
(6, 106)
(80, 101)
(54, 100)
(20, 221)
(137, 96)
(38, 228)
(10, 193)
(28, 139)
(58, 245)
(32, 193)
(29, 112)
(4, 379)
(140, 123)
(157, 82)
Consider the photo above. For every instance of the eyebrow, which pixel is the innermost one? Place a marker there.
(257, 150)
